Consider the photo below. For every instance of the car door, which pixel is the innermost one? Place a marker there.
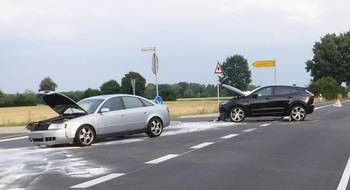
(112, 118)
(136, 113)
(282, 95)
(260, 102)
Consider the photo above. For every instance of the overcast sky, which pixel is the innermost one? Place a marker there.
(81, 44)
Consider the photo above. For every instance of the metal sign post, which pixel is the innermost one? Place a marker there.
(133, 85)
(218, 71)
(155, 68)
(155, 63)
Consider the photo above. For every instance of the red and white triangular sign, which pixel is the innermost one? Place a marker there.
(218, 69)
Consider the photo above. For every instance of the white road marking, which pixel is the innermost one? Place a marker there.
(202, 145)
(115, 142)
(162, 159)
(264, 125)
(345, 178)
(12, 139)
(249, 130)
(97, 181)
(229, 136)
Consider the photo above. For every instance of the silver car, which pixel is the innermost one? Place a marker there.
(96, 117)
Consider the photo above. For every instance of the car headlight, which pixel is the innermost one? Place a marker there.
(57, 126)
(223, 103)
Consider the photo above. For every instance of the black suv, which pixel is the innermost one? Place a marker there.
(273, 100)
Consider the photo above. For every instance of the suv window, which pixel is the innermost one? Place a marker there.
(281, 90)
(264, 92)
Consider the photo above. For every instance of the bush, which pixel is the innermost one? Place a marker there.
(327, 86)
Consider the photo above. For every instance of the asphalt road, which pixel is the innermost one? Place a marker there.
(197, 153)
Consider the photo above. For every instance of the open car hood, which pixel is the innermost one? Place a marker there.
(58, 102)
(238, 91)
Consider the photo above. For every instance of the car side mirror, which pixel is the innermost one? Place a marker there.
(103, 110)
(255, 96)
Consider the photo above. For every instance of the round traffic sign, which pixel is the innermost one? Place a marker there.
(158, 100)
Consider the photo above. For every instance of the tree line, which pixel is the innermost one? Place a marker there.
(329, 67)
(169, 92)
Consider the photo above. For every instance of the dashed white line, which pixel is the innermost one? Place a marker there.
(202, 145)
(229, 136)
(97, 181)
(162, 159)
(345, 178)
(12, 139)
(249, 130)
(264, 125)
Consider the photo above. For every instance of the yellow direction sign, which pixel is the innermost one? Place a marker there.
(267, 63)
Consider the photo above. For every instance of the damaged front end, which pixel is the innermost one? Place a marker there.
(45, 124)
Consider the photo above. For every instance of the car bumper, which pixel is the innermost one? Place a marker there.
(311, 109)
(49, 137)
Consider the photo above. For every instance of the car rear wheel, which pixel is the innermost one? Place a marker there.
(298, 113)
(237, 114)
(85, 135)
(154, 127)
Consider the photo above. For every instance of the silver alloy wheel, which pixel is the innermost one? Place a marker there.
(155, 127)
(298, 113)
(85, 136)
(237, 114)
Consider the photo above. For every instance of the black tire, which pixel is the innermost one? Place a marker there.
(297, 113)
(154, 127)
(237, 114)
(85, 136)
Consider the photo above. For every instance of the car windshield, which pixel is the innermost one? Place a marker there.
(90, 105)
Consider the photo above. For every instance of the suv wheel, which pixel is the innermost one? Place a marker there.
(298, 113)
(237, 114)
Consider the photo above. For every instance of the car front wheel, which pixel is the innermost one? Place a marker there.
(154, 127)
(297, 113)
(85, 136)
(237, 114)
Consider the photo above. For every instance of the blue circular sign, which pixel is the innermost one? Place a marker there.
(158, 100)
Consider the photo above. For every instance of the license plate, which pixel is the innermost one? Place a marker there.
(35, 135)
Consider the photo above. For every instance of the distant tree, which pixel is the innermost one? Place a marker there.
(331, 58)
(197, 89)
(150, 92)
(167, 92)
(181, 91)
(251, 87)
(189, 94)
(327, 86)
(74, 95)
(139, 80)
(5, 101)
(26, 99)
(110, 87)
(91, 92)
(236, 72)
(47, 84)
(211, 90)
